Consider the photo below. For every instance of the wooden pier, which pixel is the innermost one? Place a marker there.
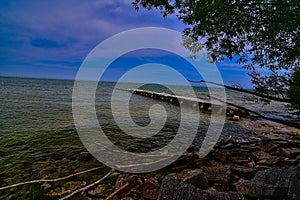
(203, 104)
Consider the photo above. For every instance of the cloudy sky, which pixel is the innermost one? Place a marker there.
(50, 39)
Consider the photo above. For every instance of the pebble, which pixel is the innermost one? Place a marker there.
(236, 118)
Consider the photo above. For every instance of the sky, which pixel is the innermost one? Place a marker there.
(51, 39)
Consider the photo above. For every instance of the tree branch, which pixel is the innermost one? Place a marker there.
(285, 122)
(245, 91)
(49, 180)
(88, 186)
(116, 191)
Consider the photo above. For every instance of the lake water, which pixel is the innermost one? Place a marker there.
(38, 138)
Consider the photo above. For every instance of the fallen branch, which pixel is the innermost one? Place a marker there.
(246, 91)
(49, 180)
(281, 121)
(117, 191)
(88, 186)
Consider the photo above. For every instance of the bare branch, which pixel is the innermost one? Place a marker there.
(88, 186)
(116, 191)
(245, 91)
(49, 180)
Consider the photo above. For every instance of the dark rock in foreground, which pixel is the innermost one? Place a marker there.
(294, 187)
(271, 183)
(175, 189)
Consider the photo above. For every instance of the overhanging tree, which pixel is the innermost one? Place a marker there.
(263, 34)
(294, 91)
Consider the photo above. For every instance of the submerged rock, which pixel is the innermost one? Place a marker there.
(134, 180)
(97, 190)
(66, 189)
(139, 187)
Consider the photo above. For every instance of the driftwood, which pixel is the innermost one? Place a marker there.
(117, 191)
(88, 186)
(50, 180)
(182, 159)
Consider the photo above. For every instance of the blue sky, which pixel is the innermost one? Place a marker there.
(50, 39)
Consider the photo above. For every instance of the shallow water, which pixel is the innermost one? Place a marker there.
(38, 138)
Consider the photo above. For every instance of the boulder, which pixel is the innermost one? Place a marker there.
(290, 152)
(243, 171)
(272, 161)
(195, 177)
(175, 189)
(294, 186)
(221, 155)
(263, 158)
(271, 183)
(269, 146)
(260, 155)
(217, 176)
(220, 174)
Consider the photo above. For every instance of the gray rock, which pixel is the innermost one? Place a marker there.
(218, 176)
(294, 186)
(195, 177)
(271, 183)
(175, 189)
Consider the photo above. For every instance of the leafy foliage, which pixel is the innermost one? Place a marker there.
(294, 91)
(264, 34)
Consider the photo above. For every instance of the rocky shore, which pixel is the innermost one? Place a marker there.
(253, 159)
(264, 166)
